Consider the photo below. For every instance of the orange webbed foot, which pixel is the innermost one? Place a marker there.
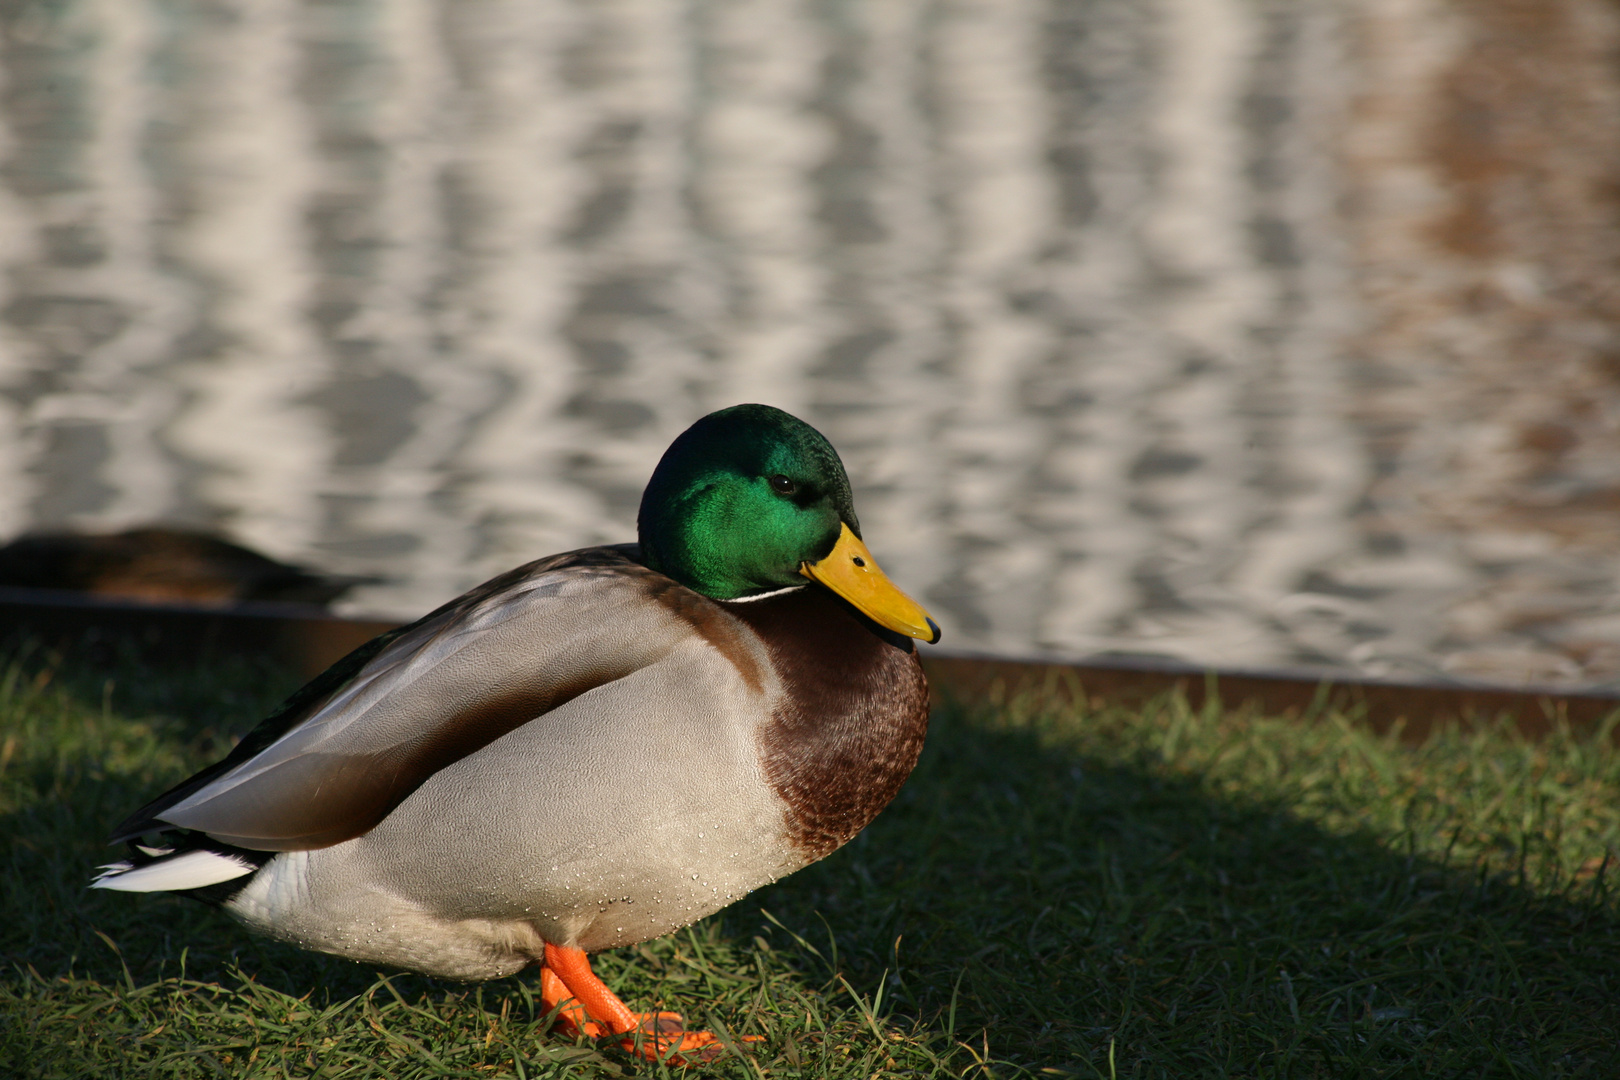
(585, 1006)
(662, 1036)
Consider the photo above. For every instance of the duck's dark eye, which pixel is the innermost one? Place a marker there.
(782, 485)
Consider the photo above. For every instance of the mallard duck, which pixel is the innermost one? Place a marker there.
(589, 751)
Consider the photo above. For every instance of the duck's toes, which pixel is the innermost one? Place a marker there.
(662, 1036)
(660, 1024)
(657, 1036)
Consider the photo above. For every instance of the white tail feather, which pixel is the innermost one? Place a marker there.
(188, 870)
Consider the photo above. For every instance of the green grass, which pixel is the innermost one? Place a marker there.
(1151, 892)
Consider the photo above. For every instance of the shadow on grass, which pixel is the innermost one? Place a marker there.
(1048, 903)
(1068, 902)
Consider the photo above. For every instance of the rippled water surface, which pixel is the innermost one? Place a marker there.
(423, 289)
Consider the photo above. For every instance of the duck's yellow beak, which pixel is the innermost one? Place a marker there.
(850, 571)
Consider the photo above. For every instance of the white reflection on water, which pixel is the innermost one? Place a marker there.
(422, 289)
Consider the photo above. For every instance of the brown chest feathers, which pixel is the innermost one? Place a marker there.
(852, 719)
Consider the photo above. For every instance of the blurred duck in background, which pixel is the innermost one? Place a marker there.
(164, 565)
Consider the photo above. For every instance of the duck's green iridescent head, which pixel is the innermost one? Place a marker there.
(750, 499)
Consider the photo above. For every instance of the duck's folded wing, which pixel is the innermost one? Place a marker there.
(442, 689)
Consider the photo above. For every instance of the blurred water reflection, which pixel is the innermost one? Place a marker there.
(422, 289)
